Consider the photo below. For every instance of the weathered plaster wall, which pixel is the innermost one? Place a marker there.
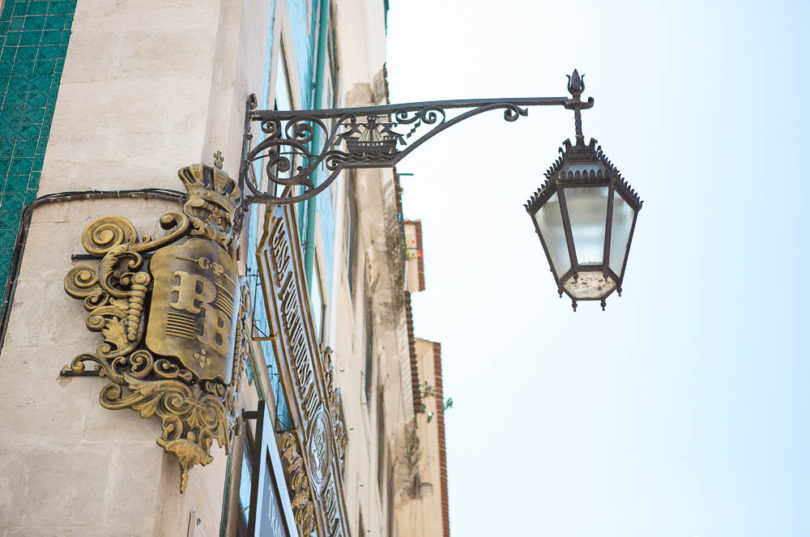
(148, 87)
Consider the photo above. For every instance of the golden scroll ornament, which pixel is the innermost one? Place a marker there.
(183, 360)
(300, 492)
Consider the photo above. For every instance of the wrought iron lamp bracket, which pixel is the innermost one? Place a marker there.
(295, 144)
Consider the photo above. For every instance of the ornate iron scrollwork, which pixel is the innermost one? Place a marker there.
(183, 360)
(296, 143)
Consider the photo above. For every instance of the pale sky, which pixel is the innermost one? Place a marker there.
(683, 410)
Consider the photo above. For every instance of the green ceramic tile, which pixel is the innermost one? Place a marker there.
(58, 7)
(21, 166)
(44, 68)
(37, 8)
(15, 184)
(25, 148)
(33, 115)
(15, 99)
(48, 52)
(36, 99)
(11, 114)
(8, 219)
(13, 200)
(36, 22)
(22, 68)
(18, 182)
(16, 24)
(16, 84)
(40, 84)
(55, 22)
(30, 38)
(50, 37)
(24, 53)
(28, 132)
(7, 236)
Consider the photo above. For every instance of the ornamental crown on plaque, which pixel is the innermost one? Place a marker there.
(181, 361)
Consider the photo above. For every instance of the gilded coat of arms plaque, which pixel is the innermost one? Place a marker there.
(194, 302)
(173, 315)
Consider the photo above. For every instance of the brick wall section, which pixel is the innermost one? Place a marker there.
(437, 361)
(418, 406)
(34, 37)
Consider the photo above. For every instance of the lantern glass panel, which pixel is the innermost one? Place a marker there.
(620, 232)
(587, 211)
(549, 221)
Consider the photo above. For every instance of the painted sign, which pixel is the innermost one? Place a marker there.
(313, 452)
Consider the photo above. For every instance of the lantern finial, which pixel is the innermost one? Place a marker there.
(576, 85)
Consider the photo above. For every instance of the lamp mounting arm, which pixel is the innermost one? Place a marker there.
(293, 146)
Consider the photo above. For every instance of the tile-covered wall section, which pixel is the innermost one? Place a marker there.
(34, 37)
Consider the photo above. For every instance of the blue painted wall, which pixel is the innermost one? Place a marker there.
(301, 49)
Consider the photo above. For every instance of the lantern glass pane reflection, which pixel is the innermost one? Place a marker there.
(587, 211)
(549, 221)
(620, 232)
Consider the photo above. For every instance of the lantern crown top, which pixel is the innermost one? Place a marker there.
(581, 162)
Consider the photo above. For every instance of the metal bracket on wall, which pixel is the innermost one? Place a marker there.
(296, 143)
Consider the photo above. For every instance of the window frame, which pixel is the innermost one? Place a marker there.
(263, 449)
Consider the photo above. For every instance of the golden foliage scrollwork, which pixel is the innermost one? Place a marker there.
(335, 405)
(298, 483)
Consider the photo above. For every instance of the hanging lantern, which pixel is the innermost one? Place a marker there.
(585, 214)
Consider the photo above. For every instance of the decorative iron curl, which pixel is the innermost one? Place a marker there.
(513, 113)
(283, 144)
(374, 137)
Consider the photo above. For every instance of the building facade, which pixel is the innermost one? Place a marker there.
(175, 362)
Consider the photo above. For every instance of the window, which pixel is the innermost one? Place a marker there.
(264, 503)
(317, 304)
(390, 500)
(282, 101)
(350, 233)
(380, 441)
(369, 370)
